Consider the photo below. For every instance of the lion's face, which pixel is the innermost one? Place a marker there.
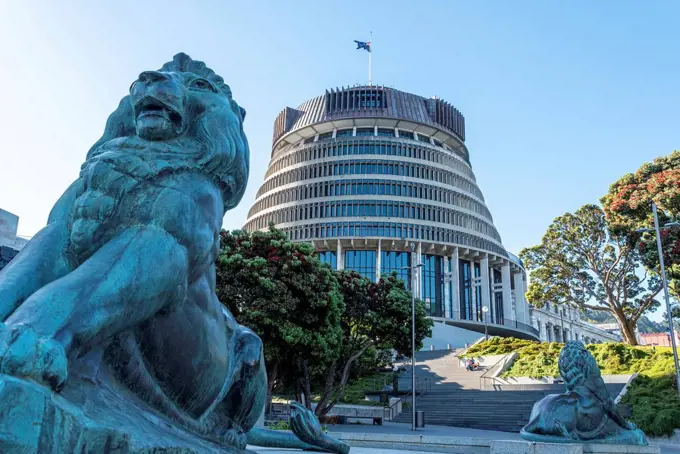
(165, 103)
(187, 110)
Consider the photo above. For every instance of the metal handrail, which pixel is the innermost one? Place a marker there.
(391, 409)
(483, 378)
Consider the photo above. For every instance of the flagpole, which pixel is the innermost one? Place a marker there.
(370, 53)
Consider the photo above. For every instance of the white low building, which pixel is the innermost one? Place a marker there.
(560, 323)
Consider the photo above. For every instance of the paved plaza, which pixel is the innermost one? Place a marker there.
(401, 430)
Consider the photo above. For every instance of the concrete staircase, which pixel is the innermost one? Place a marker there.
(456, 399)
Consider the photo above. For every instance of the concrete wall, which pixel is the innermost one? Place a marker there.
(442, 335)
(9, 223)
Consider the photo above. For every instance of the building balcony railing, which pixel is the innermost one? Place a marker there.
(506, 322)
(515, 259)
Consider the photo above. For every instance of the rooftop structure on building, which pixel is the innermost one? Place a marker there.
(10, 242)
(379, 180)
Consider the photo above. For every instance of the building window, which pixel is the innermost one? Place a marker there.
(344, 133)
(365, 132)
(309, 140)
(423, 138)
(465, 292)
(363, 262)
(432, 285)
(325, 136)
(478, 313)
(370, 98)
(405, 134)
(397, 262)
(329, 257)
(435, 141)
(385, 132)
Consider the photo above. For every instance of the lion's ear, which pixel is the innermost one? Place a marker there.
(243, 113)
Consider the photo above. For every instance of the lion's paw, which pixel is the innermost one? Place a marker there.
(24, 354)
(234, 437)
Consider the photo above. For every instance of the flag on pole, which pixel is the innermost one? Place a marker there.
(363, 45)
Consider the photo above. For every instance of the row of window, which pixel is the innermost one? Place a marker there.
(377, 147)
(436, 285)
(370, 167)
(389, 230)
(552, 334)
(352, 98)
(373, 208)
(370, 187)
(375, 132)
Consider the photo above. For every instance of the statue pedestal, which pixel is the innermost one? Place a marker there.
(88, 418)
(527, 447)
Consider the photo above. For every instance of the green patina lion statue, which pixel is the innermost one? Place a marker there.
(120, 285)
(585, 413)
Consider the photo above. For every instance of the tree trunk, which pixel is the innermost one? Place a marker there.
(272, 374)
(305, 383)
(628, 330)
(329, 389)
(298, 391)
(627, 327)
(343, 381)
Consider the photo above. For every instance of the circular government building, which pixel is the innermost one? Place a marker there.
(380, 181)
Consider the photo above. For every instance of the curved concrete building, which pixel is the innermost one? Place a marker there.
(380, 180)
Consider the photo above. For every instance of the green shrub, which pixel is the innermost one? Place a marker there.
(279, 425)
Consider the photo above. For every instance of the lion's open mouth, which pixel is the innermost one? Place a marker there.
(150, 106)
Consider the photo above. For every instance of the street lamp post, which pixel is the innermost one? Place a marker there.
(414, 279)
(486, 326)
(657, 230)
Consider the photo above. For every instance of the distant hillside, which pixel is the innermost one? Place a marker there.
(645, 325)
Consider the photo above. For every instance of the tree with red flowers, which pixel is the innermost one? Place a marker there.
(376, 315)
(291, 300)
(628, 207)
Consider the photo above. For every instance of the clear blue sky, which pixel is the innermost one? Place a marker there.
(560, 98)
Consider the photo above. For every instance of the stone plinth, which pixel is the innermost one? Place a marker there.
(87, 418)
(474, 445)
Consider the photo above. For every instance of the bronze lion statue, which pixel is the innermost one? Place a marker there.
(585, 413)
(119, 287)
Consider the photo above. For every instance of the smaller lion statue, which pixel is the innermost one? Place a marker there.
(585, 413)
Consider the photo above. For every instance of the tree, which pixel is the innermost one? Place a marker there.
(377, 315)
(284, 293)
(628, 207)
(579, 261)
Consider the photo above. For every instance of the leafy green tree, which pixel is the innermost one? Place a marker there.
(284, 293)
(377, 315)
(628, 207)
(579, 261)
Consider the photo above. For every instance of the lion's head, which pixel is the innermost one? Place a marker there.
(187, 108)
(577, 365)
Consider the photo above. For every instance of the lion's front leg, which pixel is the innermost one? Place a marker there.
(42, 261)
(137, 274)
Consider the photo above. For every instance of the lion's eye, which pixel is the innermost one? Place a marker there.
(202, 84)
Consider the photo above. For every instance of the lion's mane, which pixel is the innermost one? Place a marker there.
(212, 144)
